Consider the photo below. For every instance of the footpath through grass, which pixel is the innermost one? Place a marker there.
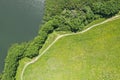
(93, 55)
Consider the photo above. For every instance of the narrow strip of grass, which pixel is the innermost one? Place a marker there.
(22, 64)
(95, 22)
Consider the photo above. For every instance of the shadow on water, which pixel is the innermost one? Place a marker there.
(19, 21)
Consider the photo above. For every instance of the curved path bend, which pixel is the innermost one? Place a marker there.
(60, 36)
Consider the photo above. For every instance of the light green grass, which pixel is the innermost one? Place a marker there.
(22, 64)
(93, 55)
(51, 38)
(95, 22)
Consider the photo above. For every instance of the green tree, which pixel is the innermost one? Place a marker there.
(47, 27)
(11, 63)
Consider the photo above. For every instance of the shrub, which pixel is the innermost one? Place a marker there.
(33, 49)
(47, 27)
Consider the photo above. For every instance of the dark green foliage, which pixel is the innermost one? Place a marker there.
(71, 20)
(52, 8)
(106, 9)
(15, 53)
(33, 49)
(73, 15)
(47, 27)
(61, 23)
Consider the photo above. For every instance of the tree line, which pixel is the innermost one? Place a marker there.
(73, 15)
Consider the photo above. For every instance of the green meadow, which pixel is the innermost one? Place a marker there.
(93, 55)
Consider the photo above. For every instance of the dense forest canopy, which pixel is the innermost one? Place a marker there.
(60, 15)
(73, 15)
(106, 7)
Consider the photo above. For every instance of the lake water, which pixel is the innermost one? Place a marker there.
(19, 22)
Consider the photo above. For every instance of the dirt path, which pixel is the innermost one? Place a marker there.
(60, 36)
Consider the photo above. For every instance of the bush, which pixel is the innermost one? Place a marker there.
(33, 49)
(47, 27)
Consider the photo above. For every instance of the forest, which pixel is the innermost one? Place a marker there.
(59, 15)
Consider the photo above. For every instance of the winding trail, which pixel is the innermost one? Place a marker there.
(60, 36)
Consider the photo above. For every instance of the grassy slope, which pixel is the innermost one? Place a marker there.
(22, 63)
(93, 55)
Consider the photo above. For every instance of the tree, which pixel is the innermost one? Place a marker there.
(106, 8)
(15, 53)
(47, 27)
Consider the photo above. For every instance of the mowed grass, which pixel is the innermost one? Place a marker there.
(93, 55)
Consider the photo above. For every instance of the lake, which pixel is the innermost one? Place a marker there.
(19, 22)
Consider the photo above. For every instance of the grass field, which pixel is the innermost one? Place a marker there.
(93, 55)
